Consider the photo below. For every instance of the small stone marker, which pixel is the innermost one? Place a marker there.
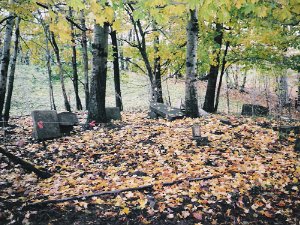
(254, 110)
(197, 136)
(66, 121)
(45, 124)
(113, 113)
(169, 113)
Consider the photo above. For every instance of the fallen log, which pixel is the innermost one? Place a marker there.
(41, 173)
(115, 192)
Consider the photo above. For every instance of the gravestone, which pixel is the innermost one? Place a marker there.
(167, 112)
(254, 110)
(288, 129)
(113, 113)
(45, 124)
(66, 121)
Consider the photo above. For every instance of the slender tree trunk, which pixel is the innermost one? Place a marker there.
(5, 60)
(118, 94)
(209, 103)
(283, 90)
(142, 47)
(59, 64)
(122, 60)
(49, 69)
(227, 93)
(191, 101)
(85, 60)
(221, 76)
(12, 72)
(74, 64)
(158, 94)
(242, 88)
(48, 60)
(98, 82)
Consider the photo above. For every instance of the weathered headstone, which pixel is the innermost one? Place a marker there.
(66, 121)
(167, 112)
(45, 124)
(113, 113)
(254, 110)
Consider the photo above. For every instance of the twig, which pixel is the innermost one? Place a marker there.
(116, 192)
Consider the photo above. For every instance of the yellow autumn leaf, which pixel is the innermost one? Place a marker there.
(125, 210)
(142, 203)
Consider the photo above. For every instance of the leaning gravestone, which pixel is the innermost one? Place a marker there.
(66, 121)
(254, 110)
(113, 113)
(45, 124)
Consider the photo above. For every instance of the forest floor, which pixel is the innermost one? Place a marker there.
(246, 174)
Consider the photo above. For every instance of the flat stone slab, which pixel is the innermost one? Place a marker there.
(254, 110)
(45, 124)
(167, 112)
(289, 129)
(67, 119)
(113, 113)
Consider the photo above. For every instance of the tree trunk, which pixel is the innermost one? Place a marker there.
(221, 76)
(114, 42)
(48, 56)
(12, 73)
(74, 64)
(59, 64)
(48, 60)
(283, 90)
(158, 95)
(242, 88)
(5, 60)
(191, 101)
(98, 82)
(209, 103)
(122, 60)
(85, 60)
(142, 47)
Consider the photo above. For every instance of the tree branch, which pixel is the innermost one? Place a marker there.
(7, 18)
(67, 17)
(26, 165)
(116, 192)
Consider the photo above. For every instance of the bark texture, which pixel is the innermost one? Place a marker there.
(5, 60)
(191, 100)
(158, 94)
(117, 82)
(98, 81)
